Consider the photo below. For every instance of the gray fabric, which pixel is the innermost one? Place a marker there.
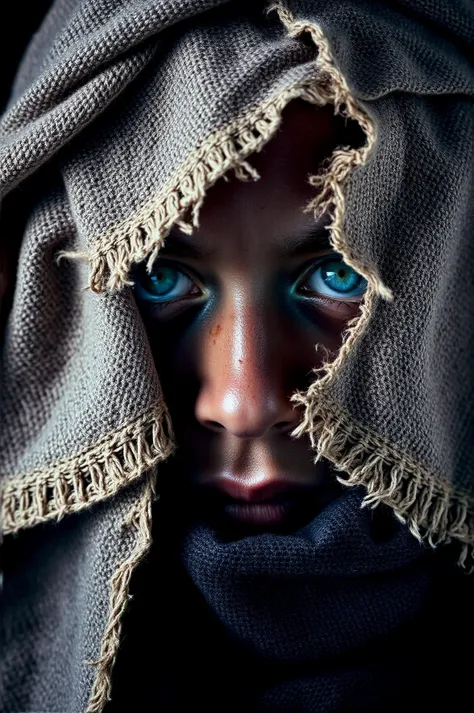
(55, 606)
(109, 101)
(120, 161)
(80, 346)
(411, 379)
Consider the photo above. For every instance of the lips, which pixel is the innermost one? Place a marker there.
(265, 513)
(275, 506)
(274, 490)
(240, 505)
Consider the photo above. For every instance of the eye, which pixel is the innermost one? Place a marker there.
(333, 278)
(163, 284)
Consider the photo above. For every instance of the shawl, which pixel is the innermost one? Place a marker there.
(120, 118)
(326, 619)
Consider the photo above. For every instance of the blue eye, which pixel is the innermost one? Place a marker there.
(333, 278)
(163, 284)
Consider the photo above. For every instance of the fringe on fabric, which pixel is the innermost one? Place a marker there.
(75, 483)
(435, 512)
(139, 520)
(141, 236)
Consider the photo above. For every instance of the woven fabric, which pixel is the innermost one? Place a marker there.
(55, 606)
(336, 616)
(312, 621)
(120, 118)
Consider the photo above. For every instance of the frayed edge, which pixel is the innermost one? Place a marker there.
(138, 519)
(330, 198)
(97, 473)
(328, 371)
(141, 236)
(435, 513)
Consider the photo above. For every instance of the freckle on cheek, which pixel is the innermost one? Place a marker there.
(215, 331)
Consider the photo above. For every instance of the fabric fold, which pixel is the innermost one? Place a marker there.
(121, 117)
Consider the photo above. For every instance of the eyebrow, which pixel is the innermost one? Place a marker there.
(182, 245)
(314, 237)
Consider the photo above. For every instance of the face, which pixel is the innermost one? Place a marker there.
(238, 314)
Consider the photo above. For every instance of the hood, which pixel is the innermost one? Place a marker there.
(121, 117)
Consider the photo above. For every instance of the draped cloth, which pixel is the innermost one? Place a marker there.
(120, 118)
(337, 616)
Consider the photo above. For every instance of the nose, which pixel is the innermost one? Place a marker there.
(244, 382)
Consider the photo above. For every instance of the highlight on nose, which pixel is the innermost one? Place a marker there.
(246, 407)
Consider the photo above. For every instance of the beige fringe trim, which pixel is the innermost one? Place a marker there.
(330, 198)
(140, 520)
(141, 235)
(73, 484)
(434, 511)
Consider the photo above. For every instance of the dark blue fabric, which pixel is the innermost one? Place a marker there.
(341, 615)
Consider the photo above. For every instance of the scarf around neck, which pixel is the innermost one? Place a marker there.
(120, 118)
(331, 617)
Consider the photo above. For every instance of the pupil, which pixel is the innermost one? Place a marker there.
(163, 280)
(340, 278)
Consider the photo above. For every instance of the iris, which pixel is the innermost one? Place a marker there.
(333, 278)
(328, 277)
(163, 284)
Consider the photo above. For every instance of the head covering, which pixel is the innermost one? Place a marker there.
(121, 117)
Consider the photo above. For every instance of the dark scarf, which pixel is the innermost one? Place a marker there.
(337, 616)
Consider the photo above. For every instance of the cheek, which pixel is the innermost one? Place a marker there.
(177, 347)
(331, 317)
(315, 329)
(191, 348)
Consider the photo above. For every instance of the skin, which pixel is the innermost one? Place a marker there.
(233, 349)
(245, 335)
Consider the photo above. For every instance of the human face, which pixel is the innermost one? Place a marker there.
(237, 315)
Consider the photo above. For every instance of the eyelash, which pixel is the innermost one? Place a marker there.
(297, 283)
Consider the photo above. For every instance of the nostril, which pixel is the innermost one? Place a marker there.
(215, 425)
(284, 426)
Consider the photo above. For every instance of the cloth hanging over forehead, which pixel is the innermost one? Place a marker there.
(127, 114)
(121, 117)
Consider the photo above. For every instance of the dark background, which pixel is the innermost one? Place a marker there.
(17, 27)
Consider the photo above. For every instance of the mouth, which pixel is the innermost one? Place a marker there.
(239, 509)
(270, 512)
(280, 513)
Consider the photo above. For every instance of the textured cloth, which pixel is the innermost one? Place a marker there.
(333, 617)
(55, 605)
(120, 118)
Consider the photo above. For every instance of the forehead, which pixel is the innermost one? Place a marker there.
(240, 217)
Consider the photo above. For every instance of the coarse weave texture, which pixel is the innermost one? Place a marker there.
(120, 118)
(336, 616)
(55, 605)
